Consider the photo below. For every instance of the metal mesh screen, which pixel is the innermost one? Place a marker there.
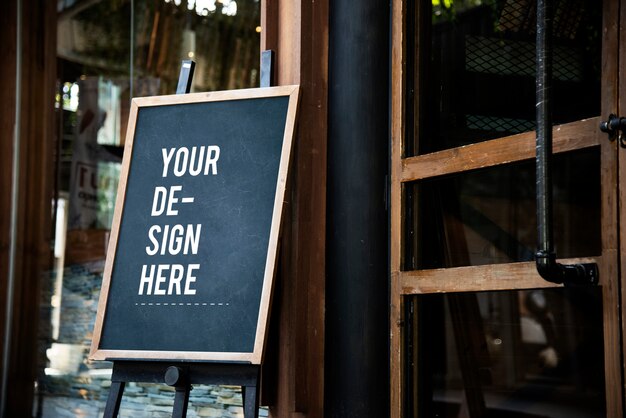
(520, 16)
(511, 52)
(497, 124)
(510, 57)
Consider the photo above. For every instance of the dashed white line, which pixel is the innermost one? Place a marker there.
(182, 304)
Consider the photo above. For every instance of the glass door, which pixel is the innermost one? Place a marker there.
(107, 53)
(475, 331)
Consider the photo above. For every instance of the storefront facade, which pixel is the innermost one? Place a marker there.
(407, 285)
(482, 333)
(79, 62)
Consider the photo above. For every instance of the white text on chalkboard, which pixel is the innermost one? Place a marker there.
(176, 279)
(193, 162)
(164, 201)
(174, 239)
(173, 279)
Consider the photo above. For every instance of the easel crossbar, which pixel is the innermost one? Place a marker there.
(197, 373)
(187, 374)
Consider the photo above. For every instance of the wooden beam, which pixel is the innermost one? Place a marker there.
(567, 137)
(298, 32)
(477, 278)
(612, 98)
(398, 75)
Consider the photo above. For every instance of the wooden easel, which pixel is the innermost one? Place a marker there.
(180, 374)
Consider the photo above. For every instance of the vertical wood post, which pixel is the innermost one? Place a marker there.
(298, 32)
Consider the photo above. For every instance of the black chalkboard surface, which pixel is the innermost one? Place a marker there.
(191, 259)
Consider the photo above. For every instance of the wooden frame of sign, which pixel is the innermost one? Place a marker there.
(124, 316)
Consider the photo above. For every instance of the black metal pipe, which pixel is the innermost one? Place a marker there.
(357, 330)
(545, 256)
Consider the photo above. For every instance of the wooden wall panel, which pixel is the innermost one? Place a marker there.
(35, 175)
(298, 32)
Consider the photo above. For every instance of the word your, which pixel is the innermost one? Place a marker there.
(194, 162)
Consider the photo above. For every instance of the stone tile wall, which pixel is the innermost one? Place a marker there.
(82, 388)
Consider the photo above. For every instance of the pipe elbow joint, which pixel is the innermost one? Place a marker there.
(547, 266)
(568, 274)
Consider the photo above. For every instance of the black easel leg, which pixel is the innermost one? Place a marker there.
(114, 400)
(181, 401)
(250, 395)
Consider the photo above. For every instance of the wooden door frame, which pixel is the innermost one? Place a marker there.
(293, 374)
(480, 155)
(619, 86)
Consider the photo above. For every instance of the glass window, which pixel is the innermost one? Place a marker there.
(477, 70)
(488, 216)
(475, 341)
(109, 52)
(517, 353)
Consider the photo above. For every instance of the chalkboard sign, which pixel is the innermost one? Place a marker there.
(193, 245)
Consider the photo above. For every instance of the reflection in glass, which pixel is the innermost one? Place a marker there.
(477, 77)
(488, 216)
(523, 354)
(96, 80)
